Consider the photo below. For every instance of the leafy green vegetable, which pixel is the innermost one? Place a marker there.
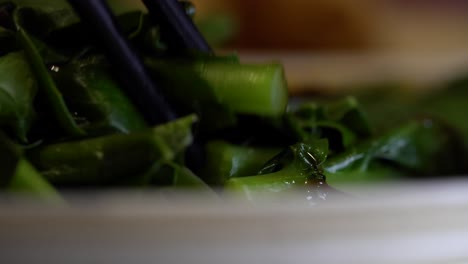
(91, 92)
(18, 176)
(173, 176)
(342, 122)
(84, 132)
(48, 88)
(243, 88)
(17, 91)
(225, 160)
(300, 166)
(418, 148)
(112, 159)
(29, 182)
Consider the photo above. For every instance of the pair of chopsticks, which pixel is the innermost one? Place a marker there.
(138, 84)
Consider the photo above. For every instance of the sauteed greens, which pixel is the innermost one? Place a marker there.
(67, 124)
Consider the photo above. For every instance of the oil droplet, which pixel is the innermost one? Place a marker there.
(55, 68)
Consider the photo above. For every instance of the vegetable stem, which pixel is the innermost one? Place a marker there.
(256, 89)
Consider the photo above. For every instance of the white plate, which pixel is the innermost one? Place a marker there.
(396, 224)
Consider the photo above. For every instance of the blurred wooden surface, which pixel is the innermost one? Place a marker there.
(296, 24)
(335, 72)
(389, 25)
(345, 24)
(413, 42)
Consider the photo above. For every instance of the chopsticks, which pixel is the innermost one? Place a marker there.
(171, 15)
(138, 84)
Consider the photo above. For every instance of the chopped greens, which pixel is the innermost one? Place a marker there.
(65, 122)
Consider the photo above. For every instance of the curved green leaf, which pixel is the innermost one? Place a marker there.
(423, 147)
(91, 92)
(18, 88)
(48, 88)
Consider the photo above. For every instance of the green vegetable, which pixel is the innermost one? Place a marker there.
(92, 93)
(342, 122)
(298, 167)
(423, 147)
(112, 159)
(48, 87)
(226, 160)
(243, 88)
(18, 88)
(176, 178)
(17, 175)
(59, 94)
(29, 182)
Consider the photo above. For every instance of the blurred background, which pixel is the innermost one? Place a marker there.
(334, 44)
(344, 25)
(329, 43)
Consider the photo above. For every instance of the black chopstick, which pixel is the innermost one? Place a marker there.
(171, 15)
(183, 36)
(138, 84)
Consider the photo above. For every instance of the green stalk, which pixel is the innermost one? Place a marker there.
(225, 160)
(113, 159)
(260, 185)
(254, 89)
(296, 168)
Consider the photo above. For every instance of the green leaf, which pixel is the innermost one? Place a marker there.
(348, 112)
(342, 122)
(418, 148)
(92, 93)
(47, 86)
(339, 136)
(18, 88)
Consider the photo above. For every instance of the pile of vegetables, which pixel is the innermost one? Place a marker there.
(67, 124)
